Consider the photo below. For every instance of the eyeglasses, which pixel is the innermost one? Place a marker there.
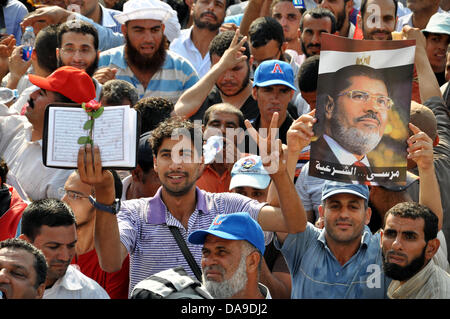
(383, 102)
(72, 195)
(71, 51)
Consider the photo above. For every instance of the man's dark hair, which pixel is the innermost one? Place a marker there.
(221, 42)
(225, 108)
(39, 265)
(49, 212)
(175, 127)
(364, 5)
(319, 13)
(153, 111)
(115, 90)
(308, 74)
(265, 29)
(414, 210)
(342, 77)
(77, 26)
(45, 47)
(3, 171)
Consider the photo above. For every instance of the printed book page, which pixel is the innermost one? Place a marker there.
(114, 132)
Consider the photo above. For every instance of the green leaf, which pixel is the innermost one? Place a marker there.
(83, 106)
(83, 140)
(88, 125)
(97, 113)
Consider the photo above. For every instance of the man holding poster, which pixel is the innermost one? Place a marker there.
(362, 107)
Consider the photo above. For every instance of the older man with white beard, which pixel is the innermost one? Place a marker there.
(232, 252)
(356, 114)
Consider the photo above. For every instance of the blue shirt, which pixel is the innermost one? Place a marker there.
(316, 273)
(14, 12)
(143, 226)
(175, 76)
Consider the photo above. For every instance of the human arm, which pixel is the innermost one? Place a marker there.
(17, 67)
(252, 12)
(420, 149)
(289, 216)
(110, 250)
(428, 84)
(6, 48)
(48, 15)
(191, 100)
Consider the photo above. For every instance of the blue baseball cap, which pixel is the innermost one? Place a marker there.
(273, 72)
(249, 171)
(235, 226)
(331, 188)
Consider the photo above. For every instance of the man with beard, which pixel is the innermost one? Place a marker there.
(49, 225)
(348, 259)
(78, 47)
(232, 253)
(21, 136)
(312, 24)
(341, 10)
(356, 114)
(143, 60)
(378, 19)
(409, 244)
(228, 81)
(193, 43)
(141, 227)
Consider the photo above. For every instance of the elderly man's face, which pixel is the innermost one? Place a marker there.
(355, 123)
(223, 266)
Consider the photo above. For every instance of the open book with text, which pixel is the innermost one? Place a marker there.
(116, 132)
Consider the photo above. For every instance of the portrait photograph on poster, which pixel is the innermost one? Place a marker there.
(363, 104)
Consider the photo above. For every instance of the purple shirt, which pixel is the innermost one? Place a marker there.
(143, 230)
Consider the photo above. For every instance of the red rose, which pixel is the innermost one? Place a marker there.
(92, 106)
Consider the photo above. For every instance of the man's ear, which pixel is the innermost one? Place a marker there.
(321, 211)
(329, 107)
(252, 261)
(40, 291)
(284, 47)
(136, 173)
(436, 141)
(368, 215)
(431, 248)
(254, 92)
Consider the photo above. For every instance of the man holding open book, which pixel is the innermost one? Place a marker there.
(21, 136)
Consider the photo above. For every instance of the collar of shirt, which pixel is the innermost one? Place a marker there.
(365, 238)
(157, 208)
(118, 57)
(69, 281)
(344, 156)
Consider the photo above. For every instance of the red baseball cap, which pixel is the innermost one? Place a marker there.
(69, 81)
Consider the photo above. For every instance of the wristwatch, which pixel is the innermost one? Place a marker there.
(113, 209)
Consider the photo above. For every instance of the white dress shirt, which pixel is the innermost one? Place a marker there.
(75, 285)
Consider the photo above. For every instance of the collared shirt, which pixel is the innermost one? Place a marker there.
(344, 156)
(432, 282)
(264, 291)
(184, 46)
(143, 226)
(24, 159)
(108, 20)
(175, 76)
(75, 285)
(316, 273)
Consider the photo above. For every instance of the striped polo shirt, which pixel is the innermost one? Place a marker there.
(175, 76)
(143, 226)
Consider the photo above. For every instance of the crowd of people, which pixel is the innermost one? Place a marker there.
(228, 87)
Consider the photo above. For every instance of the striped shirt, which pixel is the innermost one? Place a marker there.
(143, 226)
(175, 76)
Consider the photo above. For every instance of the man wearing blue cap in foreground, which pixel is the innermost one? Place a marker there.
(231, 257)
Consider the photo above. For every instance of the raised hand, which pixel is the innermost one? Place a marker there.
(300, 132)
(420, 148)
